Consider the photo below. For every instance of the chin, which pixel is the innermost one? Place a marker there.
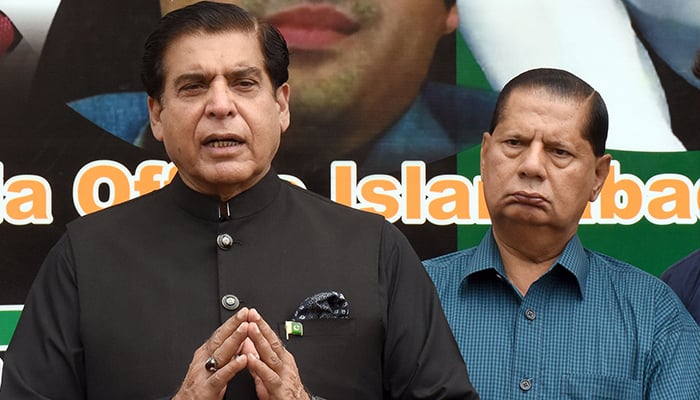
(526, 218)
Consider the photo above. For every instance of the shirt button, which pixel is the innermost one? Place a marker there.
(230, 302)
(530, 314)
(525, 384)
(224, 241)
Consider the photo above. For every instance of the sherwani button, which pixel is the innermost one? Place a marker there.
(224, 241)
(230, 302)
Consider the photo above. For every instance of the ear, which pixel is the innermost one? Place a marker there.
(452, 21)
(602, 168)
(485, 143)
(282, 98)
(154, 110)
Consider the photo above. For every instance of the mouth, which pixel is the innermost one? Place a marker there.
(222, 142)
(314, 27)
(530, 199)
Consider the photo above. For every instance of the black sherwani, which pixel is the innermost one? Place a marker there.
(127, 295)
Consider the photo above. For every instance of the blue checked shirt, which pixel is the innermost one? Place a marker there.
(591, 328)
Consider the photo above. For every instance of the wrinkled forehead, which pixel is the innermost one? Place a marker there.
(237, 41)
(202, 51)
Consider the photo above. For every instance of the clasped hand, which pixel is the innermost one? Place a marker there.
(243, 341)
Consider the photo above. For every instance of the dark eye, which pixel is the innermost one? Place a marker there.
(561, 152)
(513, 142)
(192, 87)
(245, 84)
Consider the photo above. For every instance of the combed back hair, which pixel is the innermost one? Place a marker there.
(210, 18)
(566, 86)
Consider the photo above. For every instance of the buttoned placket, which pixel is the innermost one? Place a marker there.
(225, 244)
(529, 339)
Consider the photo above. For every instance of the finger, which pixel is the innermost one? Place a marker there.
(223, 375)
(222, 346)
(269, 346)
(226, 329)
(248, 348)
(231, 346)
(265, 377)
(260, 388)
(204, 385)
(275, 370)
(271, 385)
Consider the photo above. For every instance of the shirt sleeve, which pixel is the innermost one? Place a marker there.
(674, 365)
(45, 357)
(421, 358)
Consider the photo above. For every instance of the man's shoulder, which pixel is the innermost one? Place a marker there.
(310, 200)
(636, 287)
(621, 272)
(450, 259)
(686, 270)
(133, 210)
(449, 267)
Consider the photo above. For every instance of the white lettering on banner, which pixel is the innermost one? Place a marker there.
(25, 199)
(664, 199)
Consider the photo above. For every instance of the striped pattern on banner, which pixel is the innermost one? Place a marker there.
(9, 315)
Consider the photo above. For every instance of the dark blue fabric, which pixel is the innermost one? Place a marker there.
(684, 279)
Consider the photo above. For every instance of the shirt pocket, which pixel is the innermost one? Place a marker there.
(598, 387)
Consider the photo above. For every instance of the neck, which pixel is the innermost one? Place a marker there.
(528, 253)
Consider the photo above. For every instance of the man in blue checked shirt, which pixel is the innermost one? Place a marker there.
(535, 314)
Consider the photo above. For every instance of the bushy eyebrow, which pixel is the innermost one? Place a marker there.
(252, 71)
(557, 143)
(238, 73)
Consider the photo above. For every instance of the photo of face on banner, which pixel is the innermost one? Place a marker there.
(638, 53)
(359, 86)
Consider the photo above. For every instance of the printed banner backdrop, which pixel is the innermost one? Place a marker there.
(391, 126)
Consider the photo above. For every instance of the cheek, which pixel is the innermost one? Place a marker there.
(274, 144)
(499, 170)
(573, 189)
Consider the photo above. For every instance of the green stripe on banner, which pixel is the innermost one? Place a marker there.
(9, 315)
(469, 72)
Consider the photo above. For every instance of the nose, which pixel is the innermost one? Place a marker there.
(220, 102)
(532, 163)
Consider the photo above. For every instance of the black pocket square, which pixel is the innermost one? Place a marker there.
(323, 305)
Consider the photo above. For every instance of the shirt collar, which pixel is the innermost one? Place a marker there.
(575, 260)
(487, 257)
(244, 204)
